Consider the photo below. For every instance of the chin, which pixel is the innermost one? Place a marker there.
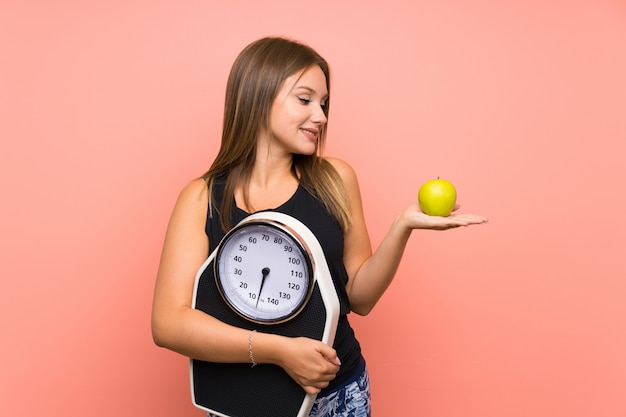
(306, 151)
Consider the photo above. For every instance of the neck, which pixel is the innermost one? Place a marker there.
(271, 167)
(272, 182)
(269, 175)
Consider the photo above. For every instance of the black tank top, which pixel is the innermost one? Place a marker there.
(310, 211)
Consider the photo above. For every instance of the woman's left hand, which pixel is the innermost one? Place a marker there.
(415, 218)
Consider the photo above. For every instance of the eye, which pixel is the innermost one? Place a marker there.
(304, 101)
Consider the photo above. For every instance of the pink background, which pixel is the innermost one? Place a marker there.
(109, 108)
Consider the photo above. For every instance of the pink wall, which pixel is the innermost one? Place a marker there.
(108, 108)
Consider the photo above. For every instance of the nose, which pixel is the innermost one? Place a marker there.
(318, 116)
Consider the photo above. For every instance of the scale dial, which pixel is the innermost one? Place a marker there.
(264, 271)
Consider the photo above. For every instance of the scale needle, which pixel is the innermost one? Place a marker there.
(265, 271)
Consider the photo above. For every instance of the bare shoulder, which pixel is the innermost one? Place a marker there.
(193, 199)
(185, 231)
(338, 164)
(346, 172)
(195, 192)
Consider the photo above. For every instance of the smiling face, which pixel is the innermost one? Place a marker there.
(297, 115)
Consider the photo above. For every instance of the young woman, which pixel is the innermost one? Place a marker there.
(277, 103)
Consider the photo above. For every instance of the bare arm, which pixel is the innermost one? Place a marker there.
(370, 274)
(193, 333)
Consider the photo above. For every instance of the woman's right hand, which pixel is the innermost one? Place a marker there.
(311, 363)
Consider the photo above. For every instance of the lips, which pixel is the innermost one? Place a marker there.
(310, 133)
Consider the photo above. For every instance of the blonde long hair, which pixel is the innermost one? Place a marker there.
(255, 78)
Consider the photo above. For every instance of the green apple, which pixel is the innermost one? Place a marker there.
(437, 197)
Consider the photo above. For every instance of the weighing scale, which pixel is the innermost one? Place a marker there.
(268, 274)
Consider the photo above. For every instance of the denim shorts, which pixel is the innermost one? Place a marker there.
(350, 399)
